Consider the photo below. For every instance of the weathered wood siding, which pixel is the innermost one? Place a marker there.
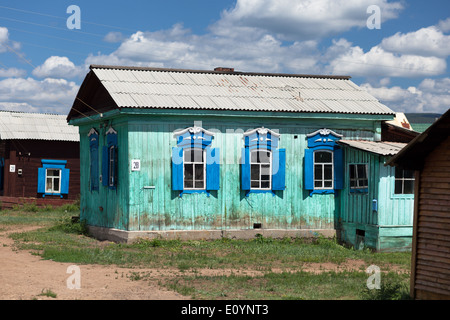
(389, 227)
(431, 255)
(136, 205)
(16, 153)
(105, 207)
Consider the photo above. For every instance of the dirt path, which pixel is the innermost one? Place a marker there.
(24, 276)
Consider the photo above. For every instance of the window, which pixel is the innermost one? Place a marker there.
(93, 158)
(404, 181)
(358, 177)
(195, 165)
(112, 166)
(53, 180)
(110, 160)
(194, 168)
(263, 164)
(323, 170)
(260, 169)
(323, 162)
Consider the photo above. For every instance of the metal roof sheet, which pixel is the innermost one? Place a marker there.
(169, 88)
(36, 126)
(385, 148)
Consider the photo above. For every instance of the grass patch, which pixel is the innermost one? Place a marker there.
(63, 240)
(288, 286)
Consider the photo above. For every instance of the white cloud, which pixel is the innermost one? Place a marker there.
(113, 37)
(431, 95)
(48, 95)
(58, 67)
(302, 19)
(377, 62)
(12, 72)
(444, 25)
(5, 41)
(428, 42)
(178, 47)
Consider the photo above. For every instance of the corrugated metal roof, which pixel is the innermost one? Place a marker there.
(193, 89)
(385, 148)
(36, 126)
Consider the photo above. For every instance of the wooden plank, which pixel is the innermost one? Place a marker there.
(425, 292)
(439, 202)
(431, 278)
(442, 220)
(443, 287)
(430, 252)
(433, 269)
(432, 213)
(436, 184)
(434, 191)
(428, 246)
(435, 225)
(433, 231)
(435, 274)
(432, 262)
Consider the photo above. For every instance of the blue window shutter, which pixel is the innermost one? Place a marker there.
(65, 173)
(245, 169)
(279, 169)
(41, 180)
(177, 168)
(309, 164)
(338, 169)
(212, 169)
(105, 163)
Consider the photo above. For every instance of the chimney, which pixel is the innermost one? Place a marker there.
(223, 69)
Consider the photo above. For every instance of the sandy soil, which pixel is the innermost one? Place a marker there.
(24, 276)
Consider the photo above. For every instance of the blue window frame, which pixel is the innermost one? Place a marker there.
(110, 160)
(263, 164)
(93, 159)
(53, 178)
(323, 162)
(195, 165)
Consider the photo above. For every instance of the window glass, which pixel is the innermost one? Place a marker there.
(53, 180)
(404, 181)
(194, 169)
(260, 169)
(323, 170)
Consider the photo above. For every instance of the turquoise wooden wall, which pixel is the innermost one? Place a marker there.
(144, 199)
(390, 226)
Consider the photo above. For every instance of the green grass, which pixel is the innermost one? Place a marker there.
(280, 261)
(290, 286)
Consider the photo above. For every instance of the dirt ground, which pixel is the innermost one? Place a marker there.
(24, 276)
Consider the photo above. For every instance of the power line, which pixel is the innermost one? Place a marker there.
(64, 18)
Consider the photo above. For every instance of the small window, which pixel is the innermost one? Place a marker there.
(358, 176)
(194, 168)
(404, 181)
(260, 169)
(112, 166)
(323, 170)
(53, 181)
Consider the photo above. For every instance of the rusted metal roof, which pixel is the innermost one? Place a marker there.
(384, 148)
(36, 126)
(216, 90)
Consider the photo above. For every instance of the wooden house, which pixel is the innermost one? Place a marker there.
(209, 154)
(39, 159)
(429, 156)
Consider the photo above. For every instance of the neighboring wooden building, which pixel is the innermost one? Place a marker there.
(206, 154)
(429, 155)
(39, 158)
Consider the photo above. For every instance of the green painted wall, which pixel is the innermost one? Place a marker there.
(136, 205)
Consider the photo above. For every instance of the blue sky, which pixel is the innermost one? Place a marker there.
(404, 63)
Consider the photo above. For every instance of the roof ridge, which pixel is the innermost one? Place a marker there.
(267, 74)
